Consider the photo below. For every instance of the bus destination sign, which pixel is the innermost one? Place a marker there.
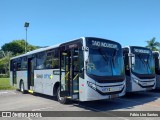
(141, 51)
(103, 44)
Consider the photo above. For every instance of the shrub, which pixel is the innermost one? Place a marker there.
(4, 76)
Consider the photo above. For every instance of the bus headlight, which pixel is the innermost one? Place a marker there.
(92, 85)
(136, 81)
(124, 84)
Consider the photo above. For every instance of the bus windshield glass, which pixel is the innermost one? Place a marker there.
(143, 61)
(105, 58)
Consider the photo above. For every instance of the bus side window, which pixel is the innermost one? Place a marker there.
(19, 64)
(40, 60)
(14, 66)
(11, 65)
(126, 63)
(52, 61)
(48, 60)
(24, 63)
(55, 60)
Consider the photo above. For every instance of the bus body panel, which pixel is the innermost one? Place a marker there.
(90, 93)
(109, 88)
(82, 89)
(99, 91)
(134, 83)
(22, 75)
(128, 84)
(157, 68)
(44, 81)
(158, 81)
(141, 85)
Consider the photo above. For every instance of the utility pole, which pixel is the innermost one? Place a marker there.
(26, 25)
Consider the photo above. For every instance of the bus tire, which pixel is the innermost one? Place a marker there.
(62, 100)
(22, 87)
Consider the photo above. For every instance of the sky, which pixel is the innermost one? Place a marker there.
(129, 22)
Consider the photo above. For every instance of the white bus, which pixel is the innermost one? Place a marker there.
(139, 69)
(84, 69)
(157, 68)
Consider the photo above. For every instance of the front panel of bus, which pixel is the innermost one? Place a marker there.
(142, 69)
(104, 69)
(157, 68)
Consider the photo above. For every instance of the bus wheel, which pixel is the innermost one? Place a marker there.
(22, 87)
(62, 100)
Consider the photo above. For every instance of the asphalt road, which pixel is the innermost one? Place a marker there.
(12, 100)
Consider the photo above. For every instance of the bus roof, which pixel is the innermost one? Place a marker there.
(51, 47)
(37, 51)
(156, 52)
(42, 49)
(135, 46)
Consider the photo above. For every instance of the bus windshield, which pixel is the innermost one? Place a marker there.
(142, 61)
(144, 64)
(105, 60)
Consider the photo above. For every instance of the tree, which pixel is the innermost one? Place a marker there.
(4, 63)
(8, 50)
(152, 44)
(2, 54)
(17, 47)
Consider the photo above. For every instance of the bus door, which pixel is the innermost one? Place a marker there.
(14, 75)
(30, 73)
(69, 72)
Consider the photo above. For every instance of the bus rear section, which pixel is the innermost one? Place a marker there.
(157, 68)
(139, 69)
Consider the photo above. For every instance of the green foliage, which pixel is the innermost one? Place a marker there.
(4, 63)
(1, 54)
(152, 44)
(4, 75)
(8, 50)
(5, 84)
(14, 46)
(17, 47)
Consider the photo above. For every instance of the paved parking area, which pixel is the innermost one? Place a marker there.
(12, 100)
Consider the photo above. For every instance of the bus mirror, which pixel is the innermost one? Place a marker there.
(81, 70)
(131, 55)
(82, 48)
(127, 67)
(86, 49)
(87, 61)
(133, 60)
(64, 54)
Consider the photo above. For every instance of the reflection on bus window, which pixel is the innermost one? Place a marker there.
(144, 64)
(40, 60)
(52, 61)
(104, 63)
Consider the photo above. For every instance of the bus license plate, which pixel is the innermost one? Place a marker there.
(113, 96)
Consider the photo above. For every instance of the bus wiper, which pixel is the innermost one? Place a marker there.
(113, 57)
(145, 64)
(141, 59)
(105, 57)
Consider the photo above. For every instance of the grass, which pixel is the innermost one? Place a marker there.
(5, 84)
